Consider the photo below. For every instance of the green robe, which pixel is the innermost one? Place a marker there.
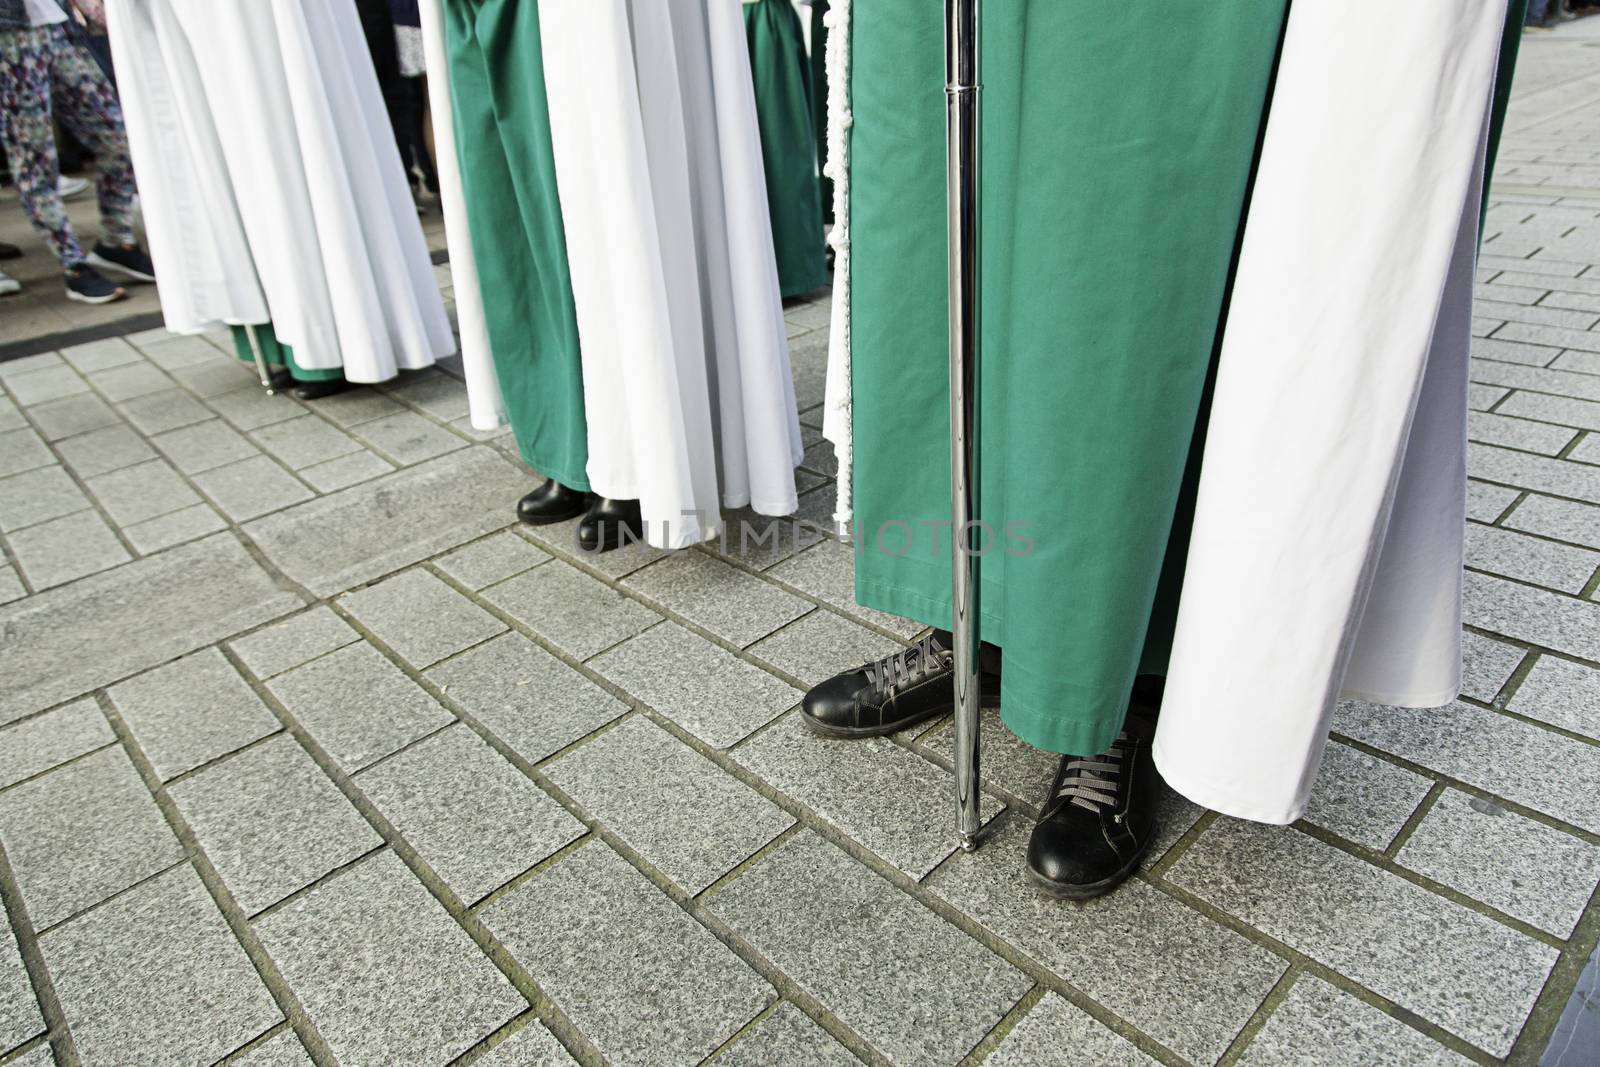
(277, 354)
(1116, 164)
(514, 211)
(783, 83)
(819, 99)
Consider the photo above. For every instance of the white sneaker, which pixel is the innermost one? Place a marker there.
(70, 187)
(9, 286)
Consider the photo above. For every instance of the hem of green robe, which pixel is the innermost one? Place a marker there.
(561, 472)
(929, 611)
(277, 354)
(789, 292)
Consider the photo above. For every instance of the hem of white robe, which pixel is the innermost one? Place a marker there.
(1209, 795)
(1435, 699)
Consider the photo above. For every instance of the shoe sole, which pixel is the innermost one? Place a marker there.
(80, 298)
(1089, 890)
(107, 266)
(551, 520)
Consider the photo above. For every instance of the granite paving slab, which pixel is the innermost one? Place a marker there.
(1565, 520)
(523, 695)
(107, 449)
(271, 822)
(159, 412)
(36, 496)
(23, 450)
(191, 711)
(1533, 615)
(189, 995)
(889, 799)
(285, 645)
(102, 355)
(408, 438)
(358, 705)
(304, 441)
(420, 617)
(642, 980)
(1056, 1024)
(1513, 555)
(827, 572)
(1177, 975)
(737, 607)
(353, 469)
(251, 487)
(355, 535)
(1555, 477)
(786, 1037)
(71, 416)
(688, 817)
(204, 446)
(134, 494)
(105, 627)
(471, 815)
(284, 1050)
(19, 1010)
(1561, 693)
(371, 944)
(35, 745)
(63, 550)
(1318, 1025)
(822, 644)
(575, 612)
(1009, 764)
(1487, 666)
(531, 1046)
(1363, 798)
(82, 833)
(491, 560)
(1452, 966)
(174, 528)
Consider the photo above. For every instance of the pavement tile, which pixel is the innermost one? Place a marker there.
(271, 822)
(1588, 450)
(703, 688)
(827, 572)
(10, 585)
(1525, 311)
(561, 540)
(251, 488)
(1558, 382)
(45, 741)
(304, 441)
(1507, 351)
(66, 549)
(164, 411)
(204, 446)
(356, 406)
(642, 980)
(38, 496)
(408, 438)
(19, 1010)
(284, 1050)
(13, 368)
(1526, 869)
(191, 711)
(371, 943)
(341, 473)
(917, 989)
(532, 1046)
(1564, 520)
(1175, 974)
(218, 375)
(1484, 397)
(106, 627)
(1557, 477)
(1533, 615)
(1318, 1025)
(250, 408)
(579, 614)
(1055, 1024)
(107, 449)
(819, 645)
(72, 416)
(1500, 429)
(293, 641)
(82, 833)
(1487, 666)
(1561, 693)
(173, 351)
(134, 494)
(42, 386)
(1454, 967)
(1009, 764)
(526, 697)
(420, 617)
(102, 355)
(189, 995)
(127, 382)
(439, 395)
(737, 607)
(886, 797)
(493, 559)
(787, 1037)
(357, 534)
(1553, 336)
(358, 705)
(23, 450)
(10, 417)
(1568, 412)
(1363, 798)
(1495, 753)
(473, 817)
(174, 528)
(688, 817)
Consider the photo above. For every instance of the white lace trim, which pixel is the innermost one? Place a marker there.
(836, 411)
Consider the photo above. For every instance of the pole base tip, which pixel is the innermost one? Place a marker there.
(969, 842)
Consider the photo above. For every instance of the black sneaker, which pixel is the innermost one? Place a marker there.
(128, 262)
(908, 687)
(1098, 818)
(9, 251)
(88, 286)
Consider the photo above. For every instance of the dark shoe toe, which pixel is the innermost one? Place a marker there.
(833, 708)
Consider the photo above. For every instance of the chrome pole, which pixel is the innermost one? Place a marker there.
(964, 145)
(261, 362)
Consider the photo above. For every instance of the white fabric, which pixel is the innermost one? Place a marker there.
(687, 387)
(44, 12)
(192, 221)
(485, 403)
(1327, 546)
(837, 424)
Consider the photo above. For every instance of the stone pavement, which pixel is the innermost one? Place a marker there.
(307, 754)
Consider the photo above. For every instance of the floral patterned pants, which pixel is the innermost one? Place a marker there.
(45, 75)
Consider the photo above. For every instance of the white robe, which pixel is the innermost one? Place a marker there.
(687, 386)
(1327, 546)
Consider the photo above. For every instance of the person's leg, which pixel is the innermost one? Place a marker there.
(27, 128)
(1538, 12)
(88, 107)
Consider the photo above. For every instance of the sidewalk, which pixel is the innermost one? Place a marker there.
(309, 755)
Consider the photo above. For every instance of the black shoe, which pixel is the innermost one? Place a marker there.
(9, 251)
(128, 262)
(1098, 818)
(88, 286)
(552, 502)
(318, 389)
(900, 690)
(610, 524)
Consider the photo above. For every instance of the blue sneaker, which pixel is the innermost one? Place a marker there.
(88, 286)
(128, 262)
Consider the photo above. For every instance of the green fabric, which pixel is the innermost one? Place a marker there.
(819, 99)
(514, 212)
(277, 354)
(1510, 43)
(1116, 164)
(788, 143)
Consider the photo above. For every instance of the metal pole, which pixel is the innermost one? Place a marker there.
(963, 92)
(261, 362)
